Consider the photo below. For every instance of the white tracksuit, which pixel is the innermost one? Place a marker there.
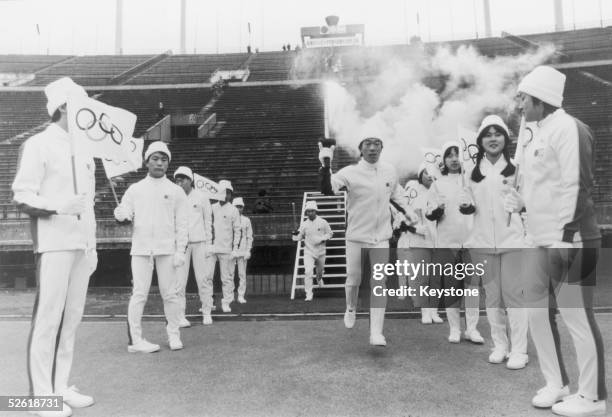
(245, 244)
(451, 233)
(315, 233)
(557, 171)
(369, 188)
(225, 237)
(199, 237)
(66, 248)
(498, 247)
(159, 211)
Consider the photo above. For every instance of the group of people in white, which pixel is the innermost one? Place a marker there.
(173, 224)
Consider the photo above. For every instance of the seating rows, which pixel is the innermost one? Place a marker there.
(21, 111)
(271, 66)
(28, 63)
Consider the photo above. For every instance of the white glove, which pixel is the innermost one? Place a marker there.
(74, 206)
(209, 250)
(235, 254)
(247, 255)
(122, 214)
(464, 198)
(326, 153)
(513, 202)
(410, 217)
(178, 259)
(92, 260)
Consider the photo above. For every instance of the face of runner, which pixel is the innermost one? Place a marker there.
(183, 182)
(240, 209)
(426, 179)
(229, 196)
(312, 214)
(452, 162)
(493, 141)
(531, 111)
(157, 164)
(371, 149)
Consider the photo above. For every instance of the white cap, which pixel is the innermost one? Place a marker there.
(238, 202)
(58, 92)
(184, 171)
(311, 205)
(157, 146)
(544, 83)
(450, 144)
(421, 168)
(370, 137)
(493, 120)
(226, 185)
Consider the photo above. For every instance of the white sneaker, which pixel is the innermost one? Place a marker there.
(473, 336)
(548, 396)
(349, 318)
(578, 406)
(207, 319)
(184, 323)
(75, 399)
(226, 308)
(241, 299)
(320, 283)
(454, 336)
(426, 316)
(378, 340)
(517, 361)
(436, 319)
(175, 343)
(498, 356)
(308, 297)
(143, 346)
(65, 412)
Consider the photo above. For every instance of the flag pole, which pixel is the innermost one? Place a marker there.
(75, 186)
(112, 186)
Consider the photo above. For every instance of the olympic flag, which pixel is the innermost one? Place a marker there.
(209, 188)
(128, 163)
(105, 130)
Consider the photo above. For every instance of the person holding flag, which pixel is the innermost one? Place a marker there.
(55, 186)
(315, 231)
(159, 210)
(243, 253)
(556, 164)
(199, 238)
(370, 185)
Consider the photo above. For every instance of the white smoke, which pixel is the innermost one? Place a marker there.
(399, 107)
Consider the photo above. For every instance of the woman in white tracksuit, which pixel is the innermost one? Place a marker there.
(452, 229)
(418, 243)
(497, 245)
(370, 186)
(243, 253)
(64, 238)
(199, 233)
(158, 209)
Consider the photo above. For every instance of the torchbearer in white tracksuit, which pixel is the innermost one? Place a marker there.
(64, 237)
(315, 232)
(199, 241)
(225, 238)
(370, 185)
(496, 245)
(243, 254)
(556, 165)
(158, 209)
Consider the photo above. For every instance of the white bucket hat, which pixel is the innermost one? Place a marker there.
(226, 184)
(58, 92)
(544, 83)
(311, 205)
(185, 171)
(157, 146)
(238, 202)
(493, 120)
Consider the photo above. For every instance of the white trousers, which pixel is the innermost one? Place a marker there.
(227, 276)
(142, 274)
(311, 262)
(63, 277)
(242, 267)
(201, 264)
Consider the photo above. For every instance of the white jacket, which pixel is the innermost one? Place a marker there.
(453, 228)
(160, 216)
(369, 188)
(490, 218)
(556, 168)
(315, 233)
(200, 218)
(425, 229)
(226, 228)
(245, 236)
(44, 181)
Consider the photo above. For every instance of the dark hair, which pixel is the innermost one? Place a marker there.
(548, 108)
(447, 152)
(420, 179)
(510, 168)
(56, 115)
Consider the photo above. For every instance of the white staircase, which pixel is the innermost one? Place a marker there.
(332, 209)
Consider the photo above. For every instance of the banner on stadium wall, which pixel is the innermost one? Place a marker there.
(209, 188)
(105, 130)
(333, 42)
(128, 163)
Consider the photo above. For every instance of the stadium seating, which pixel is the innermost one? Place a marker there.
(27, 64)
(271, 66)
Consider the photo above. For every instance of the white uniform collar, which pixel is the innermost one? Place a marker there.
(487, 167)
(368, 165)
(156, 180)
(550, 117)
(58, 131)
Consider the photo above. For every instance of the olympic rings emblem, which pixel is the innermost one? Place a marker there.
(86, 120)
(528, 136)
(470, 152)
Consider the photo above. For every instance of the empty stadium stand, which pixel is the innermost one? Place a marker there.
(28, 63)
